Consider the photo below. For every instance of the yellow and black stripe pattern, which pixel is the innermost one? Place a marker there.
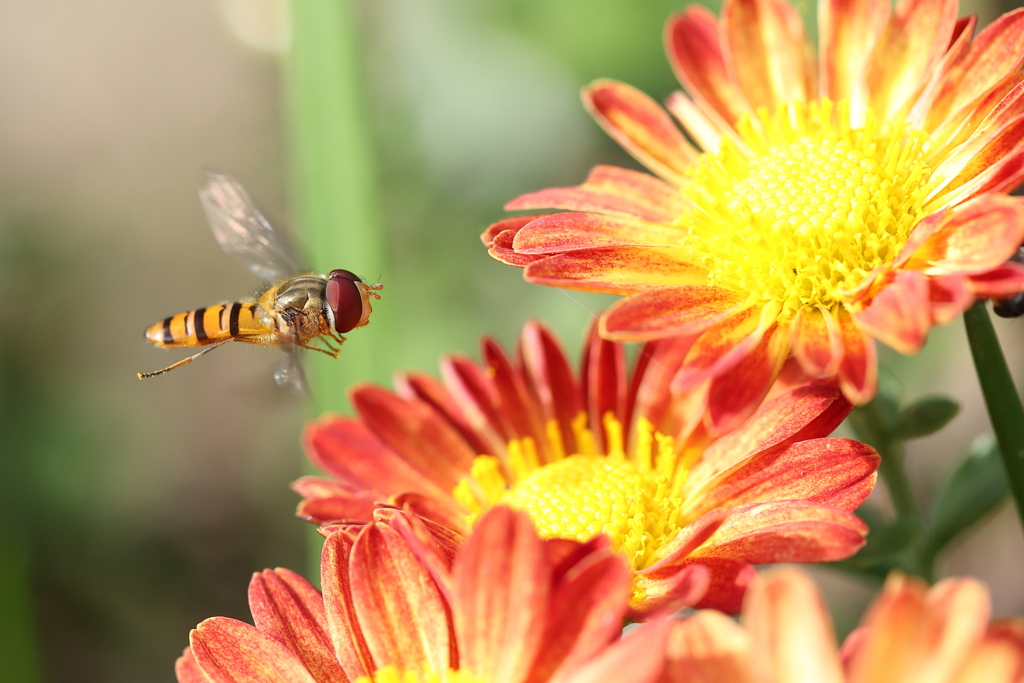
(210, 325)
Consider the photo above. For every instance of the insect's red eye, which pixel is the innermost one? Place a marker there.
(345, 300)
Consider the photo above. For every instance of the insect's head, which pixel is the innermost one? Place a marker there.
(348, 300)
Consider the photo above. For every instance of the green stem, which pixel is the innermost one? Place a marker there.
(333, 183)
(1001, 398)
(892, 468)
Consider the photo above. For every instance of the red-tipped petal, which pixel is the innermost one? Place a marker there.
(835, 472)
(858, 372)
(950, 296)
(848, 32)
(771, 58)
(501, 595)
(342, 622)
(560, 232)
(669, 312)
(418, 434)
(610, 190)
(514, 399)
(404, 616)
(900, 315)
(729, 581)
(917, 35)
(978, 164)
(478, 401)
(692, 41)
(722, 346)
(230, 651)
(790, 631)
(671, 590)
(551, 379)
(617, 270)
(603, 378)
(286, 606)
(999, 282)
(736, 393)
(975, 237)
(816, 343)
(425, 388)
(642, 127)
(498, 239)
(653, 399)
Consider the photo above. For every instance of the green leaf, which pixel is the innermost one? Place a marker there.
(925, 416)
(973, 490)
(887, 546)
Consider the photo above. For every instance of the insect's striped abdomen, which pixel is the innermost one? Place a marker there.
(207, 326)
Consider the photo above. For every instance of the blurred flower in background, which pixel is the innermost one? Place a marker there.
(828, 203)
(604, 450)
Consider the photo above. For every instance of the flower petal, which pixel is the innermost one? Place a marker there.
(425, 388)
(951, 295)
(560, 232)
(501, 595)
(849, 30)
(393, 592)
(287, 607)
(498, 239)
(618, 270)
(670, 311)
(729, 581)
(638, 658)
(900, 315)
(785, 531)
(478, 400)
(671, 589)
(551, 379)
(858, 371)
(835, 472)
(611, 190)
(342, 622)
(231, 651)
(642, 127)
(603, 378)
(917, 35)
(770, 56)
(416, 433)
(999, 283)
(815, 342)
(977, 164)
(653, 399)
(790, 631)
(735, 393)
(514, 400)
(186, 670)
(709, 646)
(706, 128)
(975, 237)
(722, 346)
(692, 41)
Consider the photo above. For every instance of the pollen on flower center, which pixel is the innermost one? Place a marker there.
(632, 498)
(808, 207)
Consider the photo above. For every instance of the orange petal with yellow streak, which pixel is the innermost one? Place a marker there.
(705, 128)
(858, 371)
(403, 615)
(848, 31)
(968, 170)
(722, 346)
(642, 127)
(771, 58)
(900, 314)
(502, 584)
(791, 635)
(975, 237)
(571, 231)
(693, 44)
(618, 270)
(947, 68)
(498, 239)
(815, 342)
(671, 311)
(611, 190)
(231, 651)
(709, 646)
(287, 607)
(917, 35)
(343, 624)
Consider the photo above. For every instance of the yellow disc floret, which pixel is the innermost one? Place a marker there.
(633, 498)
(806, 207)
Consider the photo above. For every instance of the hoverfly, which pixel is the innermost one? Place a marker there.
(293, 312)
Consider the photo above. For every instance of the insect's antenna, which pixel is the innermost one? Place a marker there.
(145, 375)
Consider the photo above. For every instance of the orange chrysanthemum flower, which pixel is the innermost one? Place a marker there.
(512, 609)
(608, 452)
(910, 634)
(826, 203)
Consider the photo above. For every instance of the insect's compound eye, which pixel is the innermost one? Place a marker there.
(345, 299)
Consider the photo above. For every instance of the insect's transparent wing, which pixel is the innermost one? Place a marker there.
(241, 229)
(289, 373)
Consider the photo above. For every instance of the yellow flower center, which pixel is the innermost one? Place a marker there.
(391, 674)
(808, 206)
(633, 498)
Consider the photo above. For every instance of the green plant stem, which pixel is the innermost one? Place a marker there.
(892, 467)
(333, 183)
(1001, 398)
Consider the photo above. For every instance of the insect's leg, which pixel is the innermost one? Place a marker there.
(317, 348)
(144, 375)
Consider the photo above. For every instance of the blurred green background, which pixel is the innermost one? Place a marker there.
(130, 511)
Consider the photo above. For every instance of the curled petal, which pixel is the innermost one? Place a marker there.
(561, 232)
(642, 127)
(610, 190)
(343, 624)
(620, 270)
(498, 239)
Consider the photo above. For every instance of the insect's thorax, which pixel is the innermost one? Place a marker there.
(295, 307)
